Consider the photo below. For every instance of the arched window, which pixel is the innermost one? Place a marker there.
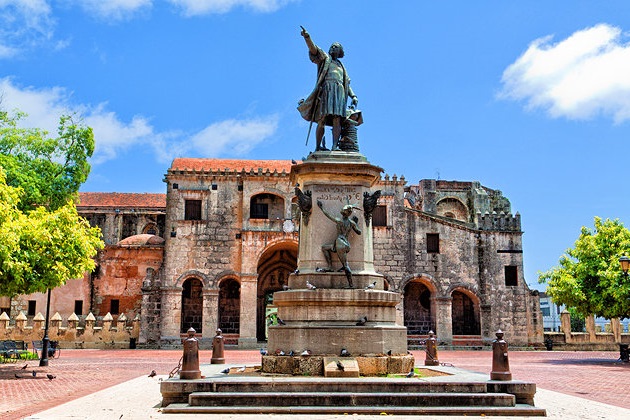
(229, 306)
(417, 304)
(465, 315)
(192, 305)
(266, 206)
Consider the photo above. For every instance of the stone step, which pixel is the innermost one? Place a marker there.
(363, 385)
(378, 399)
(518, 410)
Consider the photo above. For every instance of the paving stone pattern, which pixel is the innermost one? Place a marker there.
(592, 375)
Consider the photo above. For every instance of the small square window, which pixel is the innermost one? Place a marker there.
(175, 186)
(32, 305)
(114, 307)
(433, 243)
(214, 187)
(192, 210)
(379, 216)
(511, 275)
(78, 307)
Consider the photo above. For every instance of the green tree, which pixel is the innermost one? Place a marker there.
(43, 240)
(42, 249)
(48, 170)
(589, 277)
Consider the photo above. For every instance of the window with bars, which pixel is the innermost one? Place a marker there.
(259, 211)
(192, 210)
(433, 243)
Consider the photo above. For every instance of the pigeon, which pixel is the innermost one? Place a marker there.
(241, 369)
(370, 286)
(281, 322)
(340, 365)
(410, 374)
(291, 353)
(280, 352)
(152, 374)
(362, 321)
(285, 287)
(344, 353)
(34, 374)
(297, 272)
(310, 286)
(305, 353)
(50, 376)
(321, 270)
(17, 376)
(293, 162)
(226, 371)
(263, 352)
(24, 367)
(389, 353)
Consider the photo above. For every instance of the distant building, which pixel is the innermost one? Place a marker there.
(212, 251)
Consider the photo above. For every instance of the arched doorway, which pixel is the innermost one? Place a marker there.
(418, 312)
(274, 268)
(230, 306)
(465, 315)
(192, 305)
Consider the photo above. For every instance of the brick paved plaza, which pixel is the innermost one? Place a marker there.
(591, 375)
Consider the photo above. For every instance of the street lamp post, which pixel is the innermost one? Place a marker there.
(624, 356)
(43, 361)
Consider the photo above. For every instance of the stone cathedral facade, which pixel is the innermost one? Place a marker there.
(225, 240)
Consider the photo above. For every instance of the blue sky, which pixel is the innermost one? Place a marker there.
(531, 98)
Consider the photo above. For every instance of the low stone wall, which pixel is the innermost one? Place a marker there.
(589, 340)
(121, 334)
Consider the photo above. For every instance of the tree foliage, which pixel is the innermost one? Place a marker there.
(43, 240)
(48, 170)
(589, 276)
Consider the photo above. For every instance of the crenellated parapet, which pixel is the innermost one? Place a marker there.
(109, 333)
(502, 222)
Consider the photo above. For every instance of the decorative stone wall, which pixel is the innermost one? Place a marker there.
(73, 334)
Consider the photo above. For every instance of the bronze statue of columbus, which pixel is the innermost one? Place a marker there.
(327, 104)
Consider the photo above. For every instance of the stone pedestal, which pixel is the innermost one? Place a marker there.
(333, 316)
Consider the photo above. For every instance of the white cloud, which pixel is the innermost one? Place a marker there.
(114, 9)
(580, 77)
(114, 136)
(236, 136)
(24, 23)
(205, 7)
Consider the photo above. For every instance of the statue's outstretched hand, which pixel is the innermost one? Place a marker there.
(320, 204)
(304, 33)
(355, 219)
(355, 101)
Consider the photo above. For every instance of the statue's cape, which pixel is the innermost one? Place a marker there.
(307, 106)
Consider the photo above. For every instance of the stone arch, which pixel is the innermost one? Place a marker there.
(192, 305)
(151, 228)
(229, 305)
(465, 311)
(207, 282)
(453, 208)
(428, 279)
(275, 263)
(419, 310)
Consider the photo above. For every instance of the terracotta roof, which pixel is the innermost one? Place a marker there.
(122, 200)
(206, 165)
(143, 239)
